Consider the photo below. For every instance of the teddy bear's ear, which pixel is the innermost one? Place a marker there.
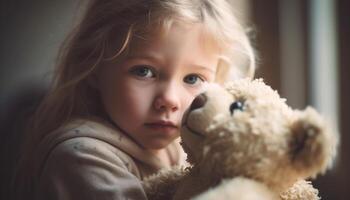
(311, 145)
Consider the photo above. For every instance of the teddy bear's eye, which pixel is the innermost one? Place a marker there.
(237, 105)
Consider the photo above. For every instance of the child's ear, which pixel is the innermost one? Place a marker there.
(311, 145)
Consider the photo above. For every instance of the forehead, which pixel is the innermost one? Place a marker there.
(183, 37)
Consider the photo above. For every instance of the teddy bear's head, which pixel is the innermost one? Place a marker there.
(246, 129)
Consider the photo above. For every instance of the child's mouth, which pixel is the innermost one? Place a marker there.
(162, 126)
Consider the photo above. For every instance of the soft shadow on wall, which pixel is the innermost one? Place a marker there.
(31, 32)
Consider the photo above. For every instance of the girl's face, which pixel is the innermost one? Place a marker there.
(147, 92)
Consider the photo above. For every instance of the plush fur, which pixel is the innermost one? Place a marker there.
(244, 142)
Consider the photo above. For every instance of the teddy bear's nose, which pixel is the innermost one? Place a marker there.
(198, 102)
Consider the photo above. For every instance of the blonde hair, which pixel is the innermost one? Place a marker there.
(106, 31)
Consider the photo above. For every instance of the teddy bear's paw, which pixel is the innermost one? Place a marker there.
(301, 190)
(163, 184)
(238, 188)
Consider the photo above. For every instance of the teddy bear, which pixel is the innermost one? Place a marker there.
(244, 142)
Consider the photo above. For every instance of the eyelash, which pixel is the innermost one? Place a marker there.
(135, 70)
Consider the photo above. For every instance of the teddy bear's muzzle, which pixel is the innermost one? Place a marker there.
(198, 102)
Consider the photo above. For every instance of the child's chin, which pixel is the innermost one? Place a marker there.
(158, 145)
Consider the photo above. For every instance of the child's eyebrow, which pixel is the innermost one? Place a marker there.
(153, 57)
(149, 56)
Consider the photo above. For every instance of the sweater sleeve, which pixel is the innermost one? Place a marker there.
(87, 168)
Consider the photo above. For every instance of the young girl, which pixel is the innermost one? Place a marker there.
(127, 74)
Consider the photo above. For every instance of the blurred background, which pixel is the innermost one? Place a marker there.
(302, 46)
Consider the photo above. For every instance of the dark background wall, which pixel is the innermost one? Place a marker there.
(30, 34)
(344, 59)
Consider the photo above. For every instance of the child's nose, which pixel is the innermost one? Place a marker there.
(168, 99)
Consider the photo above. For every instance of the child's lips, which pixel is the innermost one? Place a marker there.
(162, 125)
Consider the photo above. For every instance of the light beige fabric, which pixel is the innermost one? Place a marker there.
(91, 159)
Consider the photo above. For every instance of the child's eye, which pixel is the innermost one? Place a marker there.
(143, 71)
(193, 79)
